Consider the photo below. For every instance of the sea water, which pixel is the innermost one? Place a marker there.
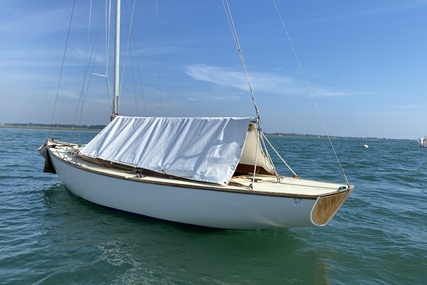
(379, 236)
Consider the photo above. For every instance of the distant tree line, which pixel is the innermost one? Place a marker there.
(295, 135)
(61, 126)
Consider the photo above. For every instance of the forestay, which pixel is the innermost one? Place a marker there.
(201, 149)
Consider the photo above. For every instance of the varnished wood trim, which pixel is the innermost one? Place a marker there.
(326, 207)
(209, 187)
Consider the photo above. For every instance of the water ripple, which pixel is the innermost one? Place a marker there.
(48, 236)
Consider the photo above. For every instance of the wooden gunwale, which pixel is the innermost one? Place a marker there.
(185, 183)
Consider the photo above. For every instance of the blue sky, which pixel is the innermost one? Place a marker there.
(365, 63)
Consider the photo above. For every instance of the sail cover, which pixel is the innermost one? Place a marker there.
(201, 149)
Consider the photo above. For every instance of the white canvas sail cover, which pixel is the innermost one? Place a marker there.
(201, 149)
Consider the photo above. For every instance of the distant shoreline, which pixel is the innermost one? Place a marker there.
(97, 128)
(54, 127)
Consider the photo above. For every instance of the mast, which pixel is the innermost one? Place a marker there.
(116, 62)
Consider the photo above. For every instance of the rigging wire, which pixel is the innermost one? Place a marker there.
(62, 67)
(310, 92)
(263, 138)
(136, 80)
(82, 94)
(89, 63)
(239, 50)
(138, 69)
(242, 60)
(108, 31)
(85, 71)
(127, 47)
(131, 52)
(277, 153)
(108, 10)
(158, 57)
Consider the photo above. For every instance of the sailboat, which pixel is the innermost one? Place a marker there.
(422, 142)
(210, 171)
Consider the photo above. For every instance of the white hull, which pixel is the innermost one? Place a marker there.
(231, 207)
(190, 170)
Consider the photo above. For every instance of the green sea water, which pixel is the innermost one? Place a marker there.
(49, 236)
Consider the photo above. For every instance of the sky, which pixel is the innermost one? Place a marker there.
(337, 67)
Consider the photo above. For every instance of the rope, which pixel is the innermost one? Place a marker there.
(310, 92)
(239, 50)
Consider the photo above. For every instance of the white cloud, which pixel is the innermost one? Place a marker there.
(261, 82)
(408, 107)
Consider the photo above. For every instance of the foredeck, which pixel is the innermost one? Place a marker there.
(290, 185)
